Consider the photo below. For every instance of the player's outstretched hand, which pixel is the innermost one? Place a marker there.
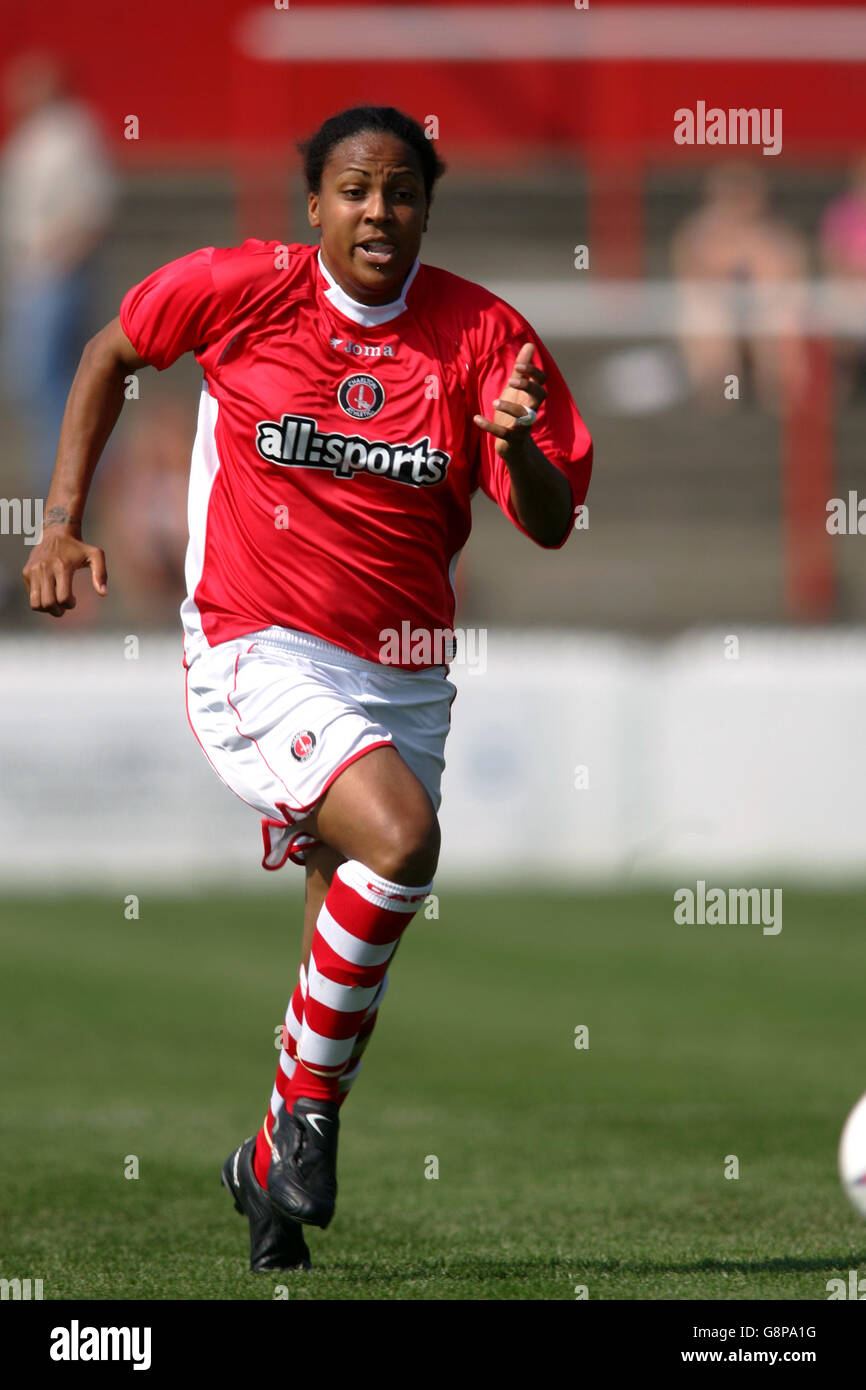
(522, 396)
(48, 573)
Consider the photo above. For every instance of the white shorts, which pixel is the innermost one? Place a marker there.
(280, 714)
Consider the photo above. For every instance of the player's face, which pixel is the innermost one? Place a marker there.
(372, 190)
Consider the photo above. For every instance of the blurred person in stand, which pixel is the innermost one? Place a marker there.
(57, 194)
(741, 273)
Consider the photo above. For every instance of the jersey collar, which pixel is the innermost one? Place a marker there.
(368, 315)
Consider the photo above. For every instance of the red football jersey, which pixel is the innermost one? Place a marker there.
(336, 455)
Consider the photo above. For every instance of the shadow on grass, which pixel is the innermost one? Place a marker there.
(474, 1266)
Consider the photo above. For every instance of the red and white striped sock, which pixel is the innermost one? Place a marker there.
(359, 925)
(288, 1062)
(333, 1011)
(285, 1068)
(353, 1066)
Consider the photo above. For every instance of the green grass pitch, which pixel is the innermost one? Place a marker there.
(558, 1167)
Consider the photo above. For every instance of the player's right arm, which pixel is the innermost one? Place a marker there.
(94, 403)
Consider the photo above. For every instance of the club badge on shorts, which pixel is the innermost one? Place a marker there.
(360, 395)
(303, 745)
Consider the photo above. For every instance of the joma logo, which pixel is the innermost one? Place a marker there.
(363, 349)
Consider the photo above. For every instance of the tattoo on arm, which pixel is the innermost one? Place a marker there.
(59, 516)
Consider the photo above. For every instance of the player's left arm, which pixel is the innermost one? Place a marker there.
(540, 493)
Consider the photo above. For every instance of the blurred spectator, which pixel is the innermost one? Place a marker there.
(142, 524)
(56, 198)
(842, 244)
(738, 268)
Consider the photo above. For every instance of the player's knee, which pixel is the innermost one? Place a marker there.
(407, 848)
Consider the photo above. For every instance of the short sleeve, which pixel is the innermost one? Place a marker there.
(174, 310)
(559, 430)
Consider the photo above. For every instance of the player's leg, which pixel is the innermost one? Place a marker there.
(277, 1244)
(296, 733)
(378, 816)
(377, 812)
(321, 863)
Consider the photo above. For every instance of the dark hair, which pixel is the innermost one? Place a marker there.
(385, 119)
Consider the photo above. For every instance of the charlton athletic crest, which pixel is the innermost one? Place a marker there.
(302, 745)
(360, 395)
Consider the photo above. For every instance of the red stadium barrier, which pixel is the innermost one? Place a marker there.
(807, 486)
(182, 70)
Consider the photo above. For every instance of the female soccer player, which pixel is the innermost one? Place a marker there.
(353, 401)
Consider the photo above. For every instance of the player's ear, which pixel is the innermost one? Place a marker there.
(313, 209)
